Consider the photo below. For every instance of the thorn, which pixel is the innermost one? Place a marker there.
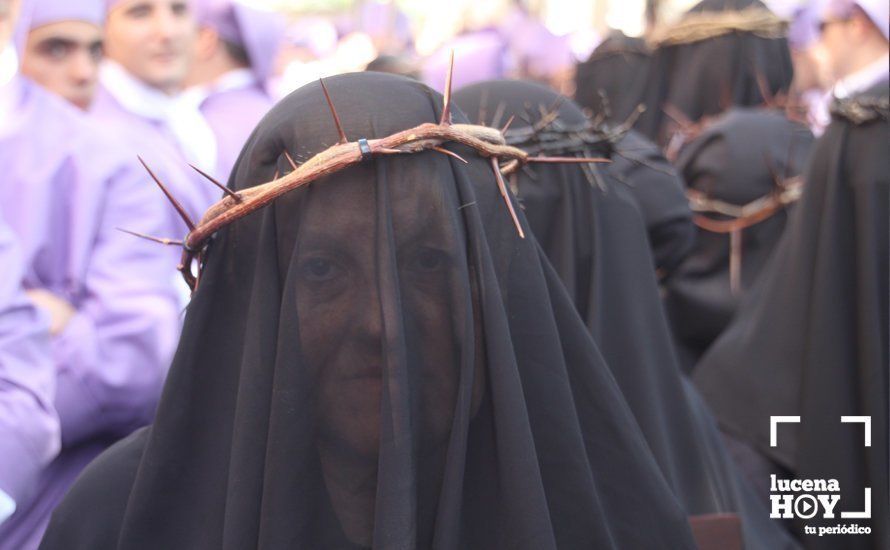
(735, 261)
(567, 160)
(290, 160)
(160, 240)
(605, 103)
(548, 115)
(446, 104)
(725, 100)
(771, 168)
(450, 154)
(509, 122)
(498, 113)
(276, 175)
(763, 87)
(631, 120)
(789, 160)
(179, 209)
(224, 189)
(529, 172)
(678, 115)
(483, 107)
(327, 96)
(506, 195)
(514, 185)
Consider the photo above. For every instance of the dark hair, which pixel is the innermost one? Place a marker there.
(237, 52)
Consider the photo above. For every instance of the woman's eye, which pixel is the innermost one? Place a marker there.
(319, 270)
(429, 259)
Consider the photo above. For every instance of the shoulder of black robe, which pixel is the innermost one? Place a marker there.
(811, 337)
(661, 195)
(596, 241)
(736, 159)
(616, 69)
(652, 180)
(379, 360)
(706, 77)
(105, 484)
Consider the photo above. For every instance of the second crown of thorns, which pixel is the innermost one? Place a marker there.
(488, 142)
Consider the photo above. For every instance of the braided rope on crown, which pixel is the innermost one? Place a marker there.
(786, 190)
(862, 109)
(695, 27)
(487, 142)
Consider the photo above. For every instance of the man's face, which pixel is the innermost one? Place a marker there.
(64, 58)
(9, 12)
(834, 49)
(153, 40)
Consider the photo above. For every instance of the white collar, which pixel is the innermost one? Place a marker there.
(863, 79)
(178, 113)
(233, 80)
(133, 94)
(9, 63)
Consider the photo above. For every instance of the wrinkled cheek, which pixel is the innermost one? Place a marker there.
(439, 372)
(349, 415)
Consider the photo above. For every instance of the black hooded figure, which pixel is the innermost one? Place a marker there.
(660, 194)
(595, 238)
(612, 81)
(741, 159)
(703, 71)
(811, 337)
(610, 84)
(377, 360)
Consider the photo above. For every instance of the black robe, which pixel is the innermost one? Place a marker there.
(659, 192)
(811, 337)
(706, 77)
(377, 360)
(612, 81)
(736, 160)
(596, 240)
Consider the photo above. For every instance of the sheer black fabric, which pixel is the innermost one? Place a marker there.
(660, 193)
(378, 360)
(617, 71)
(811, 337)
(596, 240)
(737, 160)
(705, 78)
(613, 80)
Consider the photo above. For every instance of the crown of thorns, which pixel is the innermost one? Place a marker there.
(487, 142)
(553, 137)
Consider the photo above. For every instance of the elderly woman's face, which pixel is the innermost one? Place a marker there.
(376, 300)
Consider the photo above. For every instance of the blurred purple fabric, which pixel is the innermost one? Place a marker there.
(44, 12)
(66, 189)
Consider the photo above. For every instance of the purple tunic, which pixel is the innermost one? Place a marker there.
(478, 56)
(29, 426)
(233, 114)
(65, 191)
(157, 146)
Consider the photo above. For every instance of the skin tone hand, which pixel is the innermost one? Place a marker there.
(60, 311)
